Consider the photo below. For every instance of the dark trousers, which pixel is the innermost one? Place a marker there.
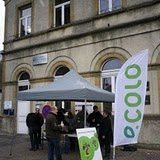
(39, 136)
(33, 138)
(66, 144)
(54, 148)
(105, 146)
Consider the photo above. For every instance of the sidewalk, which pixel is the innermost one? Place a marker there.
(20, 151)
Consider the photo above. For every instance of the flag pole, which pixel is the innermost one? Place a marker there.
(114, 152)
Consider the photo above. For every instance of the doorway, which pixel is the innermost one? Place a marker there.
(23, 107)
(22, 111)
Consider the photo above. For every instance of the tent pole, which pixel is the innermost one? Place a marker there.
(85, 115)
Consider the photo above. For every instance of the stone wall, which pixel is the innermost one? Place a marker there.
(7, 125)
(149, 133)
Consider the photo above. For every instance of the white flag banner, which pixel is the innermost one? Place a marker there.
(130, 99)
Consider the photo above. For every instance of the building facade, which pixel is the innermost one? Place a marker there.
(45, 39)
(1, 52)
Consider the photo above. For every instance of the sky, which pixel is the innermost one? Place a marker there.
(2, 12)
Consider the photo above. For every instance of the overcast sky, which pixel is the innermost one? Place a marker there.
(1, 24)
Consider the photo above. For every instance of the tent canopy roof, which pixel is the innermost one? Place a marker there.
(71, 87)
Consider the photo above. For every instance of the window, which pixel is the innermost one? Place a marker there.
(25, 20)
(109, 74)
(148, 98)
(61, 71)
(109, 5)
(23, 82)
(62, 12)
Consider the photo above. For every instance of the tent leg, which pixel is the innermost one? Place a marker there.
(85, 114)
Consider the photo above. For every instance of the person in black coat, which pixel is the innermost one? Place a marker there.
(60, 116)
(106, 134)
(34, 122)
(95, 118)
(39, 124)
(80, 117)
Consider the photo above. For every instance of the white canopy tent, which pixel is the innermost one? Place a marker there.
(71, 87)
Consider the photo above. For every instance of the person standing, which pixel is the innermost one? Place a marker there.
(40, 123)
(32, 124)
(80, 117)
(95, 118)
(61, 116)
(69, 142)
(106, 133)
(53, 131)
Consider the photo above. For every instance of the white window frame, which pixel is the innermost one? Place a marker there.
(24, 83)
(110, 3)
(110, 74)
(62, 13)
(25, 18)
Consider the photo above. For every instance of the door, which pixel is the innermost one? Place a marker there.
(23, 107)
(22, 111)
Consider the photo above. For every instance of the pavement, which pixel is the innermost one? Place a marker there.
(17, 148)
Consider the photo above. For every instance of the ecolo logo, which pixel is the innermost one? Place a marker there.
(132, 114)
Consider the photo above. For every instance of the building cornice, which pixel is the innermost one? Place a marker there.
(70, 37)
(75, 30)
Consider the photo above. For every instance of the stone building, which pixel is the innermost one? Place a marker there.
(44, 39)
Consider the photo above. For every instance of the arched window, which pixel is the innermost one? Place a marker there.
(109, 73)
(112, 64)
(23, 81)
(62, 70)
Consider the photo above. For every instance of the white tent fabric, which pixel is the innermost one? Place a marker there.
(71, 87)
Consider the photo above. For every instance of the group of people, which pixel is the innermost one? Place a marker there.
(59, 121)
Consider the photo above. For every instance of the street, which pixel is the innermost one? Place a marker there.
(17, 148)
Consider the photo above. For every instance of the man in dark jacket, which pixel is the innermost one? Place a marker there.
(80, 117)
(40, 123)
(106, 133)
(53, 134)
(95, 118)
(32, 123)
